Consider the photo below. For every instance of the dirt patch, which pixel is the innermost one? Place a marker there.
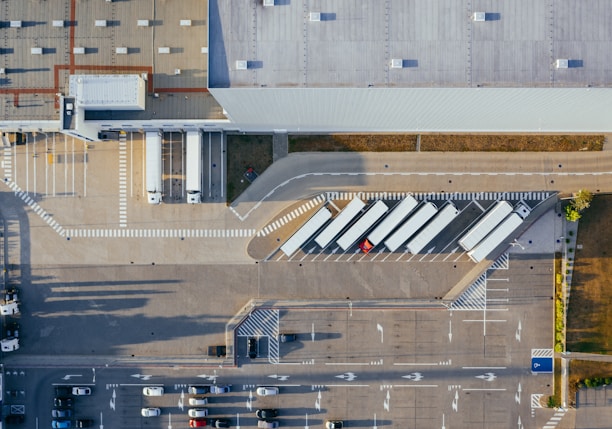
(353, 143)
(510, 143)
(244, 152)
(444, 143)
(589, 317)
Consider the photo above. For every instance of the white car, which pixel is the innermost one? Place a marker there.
(10, 344)
(198, 401)
(81, 391)
(150, 412)
(217, 389)
(153, 391)
(197, 412)
(267, 391)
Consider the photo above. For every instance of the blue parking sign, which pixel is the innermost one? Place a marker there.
(542, 364)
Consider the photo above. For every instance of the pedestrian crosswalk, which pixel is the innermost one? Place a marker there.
(122, 181)
(159, 233)
(292, 215)
(26, 198)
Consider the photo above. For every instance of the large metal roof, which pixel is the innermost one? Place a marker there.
(419, 109)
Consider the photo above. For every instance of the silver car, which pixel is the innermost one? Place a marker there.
(153, 391)
(267, 424)
(197, 412)
(198, 400)
(150, 412)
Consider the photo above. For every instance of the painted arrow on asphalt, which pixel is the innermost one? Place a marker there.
(142, 376)
(69, 376)
(279, 377)
(348, 376)
(415, 376)
(489, 376)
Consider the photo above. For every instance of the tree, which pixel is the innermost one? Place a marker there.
(580, 201)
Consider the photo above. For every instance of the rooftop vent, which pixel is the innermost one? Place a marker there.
(268, 2)
(204, 49)
(36, 51)
(241, 65)
(562, 64)
(185, 22)
(397, 63)
(121, 50)
(100, 22)
(142, 23)
(163, 50)
(78, 50)
(315, 16)
(58, 23)
(15, 24)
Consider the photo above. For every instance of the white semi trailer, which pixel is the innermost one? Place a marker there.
(478, 232)
(336, 226)
(500, 234)
(411, 226)
(365, 222)
(309, 229)
(444, 217)
(154, 166)
(389, 223)
(193, 176)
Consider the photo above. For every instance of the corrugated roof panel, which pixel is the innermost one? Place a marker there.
(419, 109)
(112, 92)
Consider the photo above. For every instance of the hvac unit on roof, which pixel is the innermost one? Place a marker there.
(100, 22)
(315, 16)
(185, 22)
(15, 24)
(36, 51)
(268, 2)
(397, 63)
(479, 16)
(142, 23)
(58, 23)
(204, 49)
(163, 50)
(562, 63)
(241, 65)
(78, 50)
(121, 50)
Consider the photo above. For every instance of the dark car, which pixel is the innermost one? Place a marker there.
(83, 423)
(62, 402)
(198, 390)
(61, 413)
(266, 413)
(14, 418)
(12, 330)
(220, 423)
(63, 391)
(252, 345)
(287, 338)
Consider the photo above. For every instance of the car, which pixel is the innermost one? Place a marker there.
(271, 424)
(61, 424)
(198, 390)
(197, 423)
(252, 346)
(61, 413)
(220, 423)
(287, 338)
(333, 424)
(81, 391)
(198, 400)
(197, 412)
(14, 418)
(150, 412)
(267, 390)
(83, 423)
(217, 389)
(11, 295)
(266, 413)
(62, 402)
(12, 330)
(63, 391)
(9, 308)
(153, 391)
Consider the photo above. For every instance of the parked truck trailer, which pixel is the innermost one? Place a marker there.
(193, 176)
(365, 222)
(154, 166)
(411, 226)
